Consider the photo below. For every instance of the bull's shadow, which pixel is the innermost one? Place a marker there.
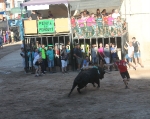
(89, 89)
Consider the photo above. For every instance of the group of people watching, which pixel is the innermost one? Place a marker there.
(37, 15)
(99, 55)
(107, 55)
(101, 24)
(41, 58)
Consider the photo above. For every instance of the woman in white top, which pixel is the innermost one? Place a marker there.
(115, 15)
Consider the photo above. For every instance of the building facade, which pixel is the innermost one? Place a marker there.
(7, 5)
(137, 15)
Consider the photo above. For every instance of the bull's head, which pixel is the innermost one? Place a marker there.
(101, 72)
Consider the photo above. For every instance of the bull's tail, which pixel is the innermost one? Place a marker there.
(74, 85)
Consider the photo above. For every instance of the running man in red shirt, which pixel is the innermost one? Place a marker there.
(121, 64)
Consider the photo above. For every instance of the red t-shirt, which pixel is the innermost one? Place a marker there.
(73, 24)
(121, 66)
(89, 21)
(105, 20)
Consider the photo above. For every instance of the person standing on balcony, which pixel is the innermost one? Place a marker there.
(110, 21)
(137, 53)
(50, 15)
(98, 12)
(100, 23)
(34, 16)
(115, 15)
(104, 13)
(93, 24)
(119, 27)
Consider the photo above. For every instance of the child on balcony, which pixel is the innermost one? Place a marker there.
(99, 21)
(110, 21)
(119, 26)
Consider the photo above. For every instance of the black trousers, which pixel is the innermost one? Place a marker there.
(43, 65)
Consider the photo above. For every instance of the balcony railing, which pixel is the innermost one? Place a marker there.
(98, 30)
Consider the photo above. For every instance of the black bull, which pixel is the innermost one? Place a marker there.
(91, 75)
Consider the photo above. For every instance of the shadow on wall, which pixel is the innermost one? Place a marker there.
(58, 11)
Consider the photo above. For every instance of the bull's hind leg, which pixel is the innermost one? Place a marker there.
(93, 84)
(78, 89)
(74, 85)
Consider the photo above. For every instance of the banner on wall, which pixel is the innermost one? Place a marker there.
(46, 26)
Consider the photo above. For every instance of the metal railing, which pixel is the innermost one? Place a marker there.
(98, 30)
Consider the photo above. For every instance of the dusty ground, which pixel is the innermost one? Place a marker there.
(9, 48)
(22, 96)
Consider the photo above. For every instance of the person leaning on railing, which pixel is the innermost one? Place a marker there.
(81, 27)
(119, 26)
(115, 15)
(99, 22)
(110, 21)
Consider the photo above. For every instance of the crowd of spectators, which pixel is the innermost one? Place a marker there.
(100, 24)
(41, 59)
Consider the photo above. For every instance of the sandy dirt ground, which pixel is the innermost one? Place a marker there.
(23, 96)
(9, 48)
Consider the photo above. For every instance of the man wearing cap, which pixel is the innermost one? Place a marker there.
(50, 59)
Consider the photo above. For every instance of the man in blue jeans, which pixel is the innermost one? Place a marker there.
(50, 59)
(137, 54)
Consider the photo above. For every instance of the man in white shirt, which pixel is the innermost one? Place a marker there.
(130, 54)
(37, 64)
(115, 15)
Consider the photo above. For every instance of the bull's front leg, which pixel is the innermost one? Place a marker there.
(98, 83)
(93, 84)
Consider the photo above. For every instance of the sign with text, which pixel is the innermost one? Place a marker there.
(46, 26)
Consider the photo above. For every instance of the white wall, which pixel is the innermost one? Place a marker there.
(138, 18)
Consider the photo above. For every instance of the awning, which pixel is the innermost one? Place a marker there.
(97, 4)
(79, 4)
(44, 2)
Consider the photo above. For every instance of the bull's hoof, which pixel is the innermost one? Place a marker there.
(78, 90)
